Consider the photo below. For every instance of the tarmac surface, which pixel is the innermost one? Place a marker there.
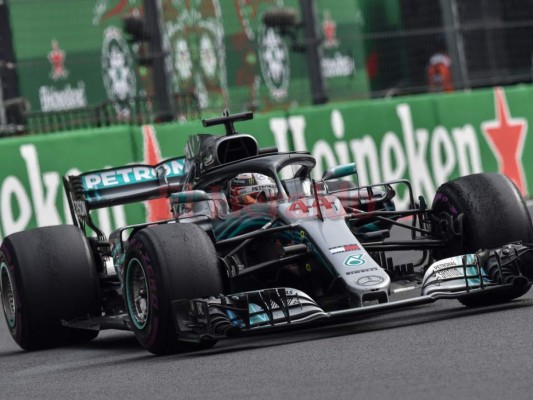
(438, 351)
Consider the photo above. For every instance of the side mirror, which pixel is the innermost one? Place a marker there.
(188, 196)
(339, 172)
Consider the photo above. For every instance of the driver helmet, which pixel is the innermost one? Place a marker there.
(249, 188)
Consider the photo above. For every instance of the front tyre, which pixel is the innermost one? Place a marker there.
(166, 263)
(494, 214)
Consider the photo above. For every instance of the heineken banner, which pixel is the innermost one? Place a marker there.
(31, 189)
(426, 139)
(263, 68)
(71, 54)
(74, 53)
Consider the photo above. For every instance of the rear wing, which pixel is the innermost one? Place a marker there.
(121, 185)
(127, 184)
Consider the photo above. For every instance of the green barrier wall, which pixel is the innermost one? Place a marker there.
(31, 191)
(426, 139)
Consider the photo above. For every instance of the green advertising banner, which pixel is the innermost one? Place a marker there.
(31, 188)
(74, 53)
(426, 139)
(227, 56)
(71, 54)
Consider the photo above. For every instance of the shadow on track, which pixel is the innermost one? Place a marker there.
(415, 316)
(394, 321)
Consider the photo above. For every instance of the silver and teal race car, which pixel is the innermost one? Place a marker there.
(256, 245)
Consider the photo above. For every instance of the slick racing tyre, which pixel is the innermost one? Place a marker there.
(494, 214)
(166, 263)
(48, 275)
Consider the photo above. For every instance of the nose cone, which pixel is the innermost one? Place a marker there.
(369, 284)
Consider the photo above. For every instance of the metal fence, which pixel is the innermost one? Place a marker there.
(488, 42)
(136, 111)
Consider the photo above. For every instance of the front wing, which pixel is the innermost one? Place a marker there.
(487, 274)
(281, 308)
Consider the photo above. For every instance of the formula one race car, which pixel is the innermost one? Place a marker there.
(255, 245)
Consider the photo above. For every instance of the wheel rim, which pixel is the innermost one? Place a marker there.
(137, 294)
(7, 292)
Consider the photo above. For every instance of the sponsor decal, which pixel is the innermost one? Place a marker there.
(428, 157)
(124, 176)
(369, 280)
(506, 137)
(184, 68)
(54, 98)
(171, 168)
(329, 29)
(57, 59)
(246, 40)
(338, 65)
(118, 177)
(243, 182)
(118, 70)
(345, 248)
(454, 262)
(262, 187)
(361, 271)
(451, 268)
(208, 62)
(274, 62)
(445, 265)
(334, 63)
(449, 274)
(195, 39)
(354, 260)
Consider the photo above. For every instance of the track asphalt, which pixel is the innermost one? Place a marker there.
(439, 351)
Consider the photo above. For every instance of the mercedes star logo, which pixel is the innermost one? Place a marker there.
(369, 280)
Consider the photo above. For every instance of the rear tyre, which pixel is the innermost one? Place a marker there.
(166, 263)
(47, 275)
(494, 214)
